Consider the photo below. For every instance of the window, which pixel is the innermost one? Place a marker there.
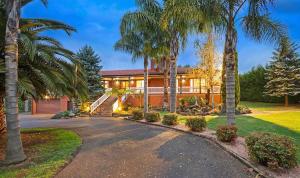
(140, 83)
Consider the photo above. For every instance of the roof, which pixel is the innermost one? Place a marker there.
(135, 72)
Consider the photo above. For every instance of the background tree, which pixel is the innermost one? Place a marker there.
(91, 64)
(209, 66)
(283, 73)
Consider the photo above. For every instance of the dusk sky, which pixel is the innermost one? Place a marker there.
(97, 23)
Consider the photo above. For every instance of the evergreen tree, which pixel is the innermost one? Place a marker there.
(283, 72)
(91, 64)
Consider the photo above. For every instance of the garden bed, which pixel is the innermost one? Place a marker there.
(47, 150)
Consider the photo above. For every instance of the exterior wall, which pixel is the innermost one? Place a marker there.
(51, 106)
(157, 100)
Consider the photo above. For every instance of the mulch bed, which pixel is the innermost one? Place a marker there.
(29, 140)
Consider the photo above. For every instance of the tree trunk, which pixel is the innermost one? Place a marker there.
(166, 77)
(174, 48)
(212, 97)
(173, 87)
(145, 84)
(230, 72)
(14, 149)
(286, 100)
(2, 116)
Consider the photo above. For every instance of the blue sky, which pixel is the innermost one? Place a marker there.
(97, 24)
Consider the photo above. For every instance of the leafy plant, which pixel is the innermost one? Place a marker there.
(196, 124)
(152, 117)
(137, 115)
(240, 109)
(170, 119)
(226, 133)
(272, 150)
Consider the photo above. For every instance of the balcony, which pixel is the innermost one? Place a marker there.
(180, 90)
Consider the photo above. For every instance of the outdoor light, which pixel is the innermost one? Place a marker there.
(183, 81)
(131, 82)
(46, 97)
(117, 82)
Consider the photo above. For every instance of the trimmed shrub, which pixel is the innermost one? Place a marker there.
(152, 117)
(137, 115)
(226, 133)
(240, 109)
(170, 119)
(272, 150)
(196, 124)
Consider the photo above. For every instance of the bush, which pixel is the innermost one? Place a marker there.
(226, 133)
(170, 119)
(137, 115)
(152, 117)
(196, 124)
(240, 109)
(64, 115)
(272, 150)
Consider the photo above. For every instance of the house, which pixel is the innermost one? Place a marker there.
(133, 80)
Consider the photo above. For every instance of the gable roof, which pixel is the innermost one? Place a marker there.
(135, 72)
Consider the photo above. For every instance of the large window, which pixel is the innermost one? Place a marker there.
(196, 84)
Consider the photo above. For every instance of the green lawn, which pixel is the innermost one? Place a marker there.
(47, 149)
(260, 106)
(281, 121)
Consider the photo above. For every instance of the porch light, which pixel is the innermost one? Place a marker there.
(117, 82)
(183, 80)
(132, 82)
(46, 97)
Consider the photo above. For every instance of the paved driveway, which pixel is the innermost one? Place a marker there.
(118, 148)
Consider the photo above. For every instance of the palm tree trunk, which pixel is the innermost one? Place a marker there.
(14, 149)
(2, 115)
(145, 84)
(166, 76)
(173, 72)
(230, 72)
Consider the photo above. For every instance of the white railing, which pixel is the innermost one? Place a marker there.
(101, 100)
(160, 90)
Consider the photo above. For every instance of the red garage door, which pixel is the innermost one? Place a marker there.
(48, 106)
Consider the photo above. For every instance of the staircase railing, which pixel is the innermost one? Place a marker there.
(101, 100)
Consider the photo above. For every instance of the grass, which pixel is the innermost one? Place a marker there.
(260, 106)
(47, 150)
(279, 120)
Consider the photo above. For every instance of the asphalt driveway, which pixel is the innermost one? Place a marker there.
(117, 148)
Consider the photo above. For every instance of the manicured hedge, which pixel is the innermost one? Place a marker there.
(226, 133)
(170, 119)
(272, 150)
(137, 115)
(152, 117)
(196, 124)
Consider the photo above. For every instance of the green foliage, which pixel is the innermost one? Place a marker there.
(283, 72)
(137, 115)
(226, 133)
(272, 150)
(91, 64)
(52, 149)
(196, 124)
(170, 119)
(152, 117)
(64, 115)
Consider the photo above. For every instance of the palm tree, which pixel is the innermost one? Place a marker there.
(139, 32)
(39, 65)
(178, 25)
(253, 15)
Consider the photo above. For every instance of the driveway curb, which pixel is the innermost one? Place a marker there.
(214, 141)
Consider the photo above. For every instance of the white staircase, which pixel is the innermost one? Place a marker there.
(100, 101)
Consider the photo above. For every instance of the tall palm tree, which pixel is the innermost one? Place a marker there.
(139, 32)
(39, 65)
(253, 15)
(178, 25)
